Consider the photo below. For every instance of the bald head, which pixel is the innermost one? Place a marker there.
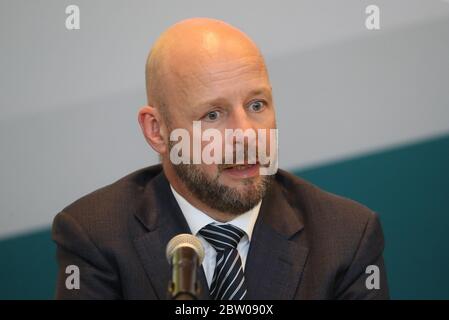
(192, 47)
(206, 72)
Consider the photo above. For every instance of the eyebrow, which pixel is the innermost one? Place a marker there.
(263, 90)
(221, 100)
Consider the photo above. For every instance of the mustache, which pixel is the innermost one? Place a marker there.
(245, 160)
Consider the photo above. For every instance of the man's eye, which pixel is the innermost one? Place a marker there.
(212, 116)
(257, 106)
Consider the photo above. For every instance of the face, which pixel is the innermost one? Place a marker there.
(222, 91)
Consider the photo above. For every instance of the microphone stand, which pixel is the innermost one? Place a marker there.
(183, 284)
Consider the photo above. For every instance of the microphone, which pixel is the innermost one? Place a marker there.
(185, 253)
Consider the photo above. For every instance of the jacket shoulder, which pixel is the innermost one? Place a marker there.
(105, 211)
(325, 212)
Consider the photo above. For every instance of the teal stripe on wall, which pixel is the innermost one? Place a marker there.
(28, 267)
(407, 186)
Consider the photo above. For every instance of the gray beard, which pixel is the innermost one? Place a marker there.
(221, 197)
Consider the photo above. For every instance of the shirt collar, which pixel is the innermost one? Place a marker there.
(196, 219)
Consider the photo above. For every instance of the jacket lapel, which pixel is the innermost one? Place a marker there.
(277, 253)
(163, 219)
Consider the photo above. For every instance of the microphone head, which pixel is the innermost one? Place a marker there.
(185, 240)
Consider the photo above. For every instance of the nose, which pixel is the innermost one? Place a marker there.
(240, 120)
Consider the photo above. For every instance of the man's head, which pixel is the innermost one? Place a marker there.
(208, 71)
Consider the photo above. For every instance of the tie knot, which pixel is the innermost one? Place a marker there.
(222, 236)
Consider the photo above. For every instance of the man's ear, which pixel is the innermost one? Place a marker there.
(153, 128)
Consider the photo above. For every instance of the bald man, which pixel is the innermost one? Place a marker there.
(266, 235)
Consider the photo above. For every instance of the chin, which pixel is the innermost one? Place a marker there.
(241, 183)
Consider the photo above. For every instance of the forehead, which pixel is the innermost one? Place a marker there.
(221, 74)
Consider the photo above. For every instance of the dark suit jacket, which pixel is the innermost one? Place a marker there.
(306, 243)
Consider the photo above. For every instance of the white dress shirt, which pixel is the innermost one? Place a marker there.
(197, 219)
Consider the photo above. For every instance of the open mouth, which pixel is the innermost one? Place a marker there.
(242, 170)
(240, 166)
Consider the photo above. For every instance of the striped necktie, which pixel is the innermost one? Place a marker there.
(228, 282)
